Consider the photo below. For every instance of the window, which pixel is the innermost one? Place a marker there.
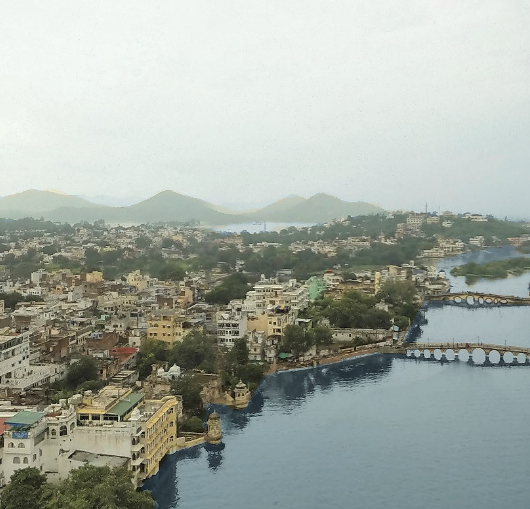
(11, 444)
(34, 457)
(63, 430)
(21, 445)
(16, 459)
(26, 461)
(54, 433)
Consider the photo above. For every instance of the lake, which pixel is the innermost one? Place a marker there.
(378, 431)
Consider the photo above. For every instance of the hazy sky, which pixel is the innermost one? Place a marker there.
(393, 102)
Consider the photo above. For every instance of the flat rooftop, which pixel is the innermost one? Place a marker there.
(99, 460)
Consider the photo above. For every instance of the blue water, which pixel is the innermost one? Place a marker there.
(498, 325)
(517, 285)
(378, 431)
(374, 432)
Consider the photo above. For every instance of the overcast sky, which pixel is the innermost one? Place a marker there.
(397, 102)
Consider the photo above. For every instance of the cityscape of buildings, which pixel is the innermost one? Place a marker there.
(64, 314)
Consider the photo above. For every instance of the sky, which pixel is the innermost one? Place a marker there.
(398, 103)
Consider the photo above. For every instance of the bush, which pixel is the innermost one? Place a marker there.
(193, 425)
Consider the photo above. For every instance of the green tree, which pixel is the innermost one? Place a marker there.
(187, 387)
(398, 293)
(151, 352)
(26, 489)
(84, 370)
(297, 340)
(195, 351)
(322, 335)
(12, 299)
(193, 424)
(234, 286)
(240, 350)
(91, 487)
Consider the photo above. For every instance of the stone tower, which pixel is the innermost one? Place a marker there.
(214, 433)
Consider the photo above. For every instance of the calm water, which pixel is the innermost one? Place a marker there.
(510, 286)
(258, 227)
(377, 431)
(494, 325)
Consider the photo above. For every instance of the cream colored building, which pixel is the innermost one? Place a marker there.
(116, 427)
(165, 325)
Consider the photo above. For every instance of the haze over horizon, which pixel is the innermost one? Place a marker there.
(396, 104)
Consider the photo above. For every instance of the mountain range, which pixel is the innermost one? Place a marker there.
(172, 206)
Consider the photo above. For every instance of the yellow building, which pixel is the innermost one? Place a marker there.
(166, 325)
(158, 435)
(94, 277)
(119, 422)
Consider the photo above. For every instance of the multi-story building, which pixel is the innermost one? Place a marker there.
(166, 325)
(14, 356)
(115, 427)
(231, 324)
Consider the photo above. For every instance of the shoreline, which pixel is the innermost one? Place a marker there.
(332, 359)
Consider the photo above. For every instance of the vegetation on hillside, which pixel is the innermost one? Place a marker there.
(88, 487)
(496, 270)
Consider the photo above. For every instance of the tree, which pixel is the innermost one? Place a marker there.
(151, 352)
(240, 350)
(234, 286)
(84, 370)
(26, 489)
(187, 387)
(322, 336)
(195, 351)
(12, 299)
(297, 340)
(92, 487)
(398, 293)
(193, 424)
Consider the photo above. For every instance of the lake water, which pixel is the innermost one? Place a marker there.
(378, 431)
(258, 227)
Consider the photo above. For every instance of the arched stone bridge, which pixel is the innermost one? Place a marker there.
(477, 352)
(474, 298)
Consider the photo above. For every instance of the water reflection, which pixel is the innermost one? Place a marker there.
(284, 391)
(289, 389)
(215, 455)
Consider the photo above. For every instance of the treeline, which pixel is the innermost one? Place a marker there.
(497, 269)
(28, 228)
(88, 487)
(12, 299)
(494, 231)
(360, 311)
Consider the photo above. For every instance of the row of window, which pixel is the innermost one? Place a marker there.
(25, 461)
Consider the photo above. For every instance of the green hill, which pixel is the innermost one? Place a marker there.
(319, 208)
(34, 202)
(172, 206)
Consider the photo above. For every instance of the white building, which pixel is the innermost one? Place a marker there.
(231, 324)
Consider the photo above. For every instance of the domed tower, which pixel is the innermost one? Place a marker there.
(214, 433)
(241, 394)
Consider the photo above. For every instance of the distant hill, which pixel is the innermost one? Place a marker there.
(172, 206)
(34, 203)
(317, 209)
(278, 207)
(164, 206)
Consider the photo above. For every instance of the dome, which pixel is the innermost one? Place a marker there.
(213, 416)
(241, 385)
(174, 370)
